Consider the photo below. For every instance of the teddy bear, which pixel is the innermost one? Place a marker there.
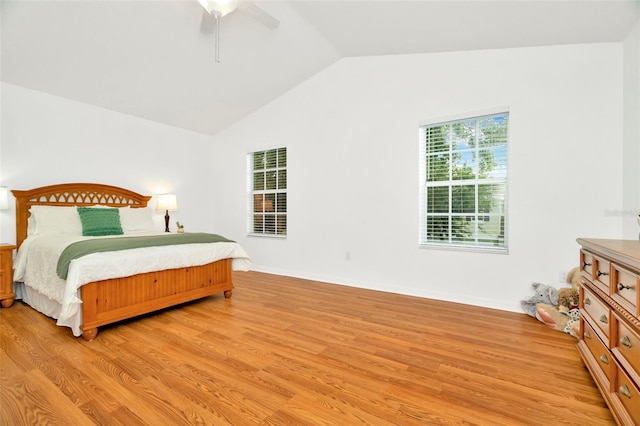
(543, 294)
(568, 299)
(573, 278)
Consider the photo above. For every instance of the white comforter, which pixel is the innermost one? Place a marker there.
(37, 259)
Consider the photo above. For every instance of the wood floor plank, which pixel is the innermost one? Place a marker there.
(287, 351)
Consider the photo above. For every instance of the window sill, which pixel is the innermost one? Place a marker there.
(277, 237)
(470, 249)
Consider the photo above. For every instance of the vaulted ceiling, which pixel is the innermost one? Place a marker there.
(147, 58)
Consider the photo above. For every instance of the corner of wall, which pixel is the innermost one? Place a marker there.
(631, 133)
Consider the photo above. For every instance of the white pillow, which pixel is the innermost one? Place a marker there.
(55, 220)
(31, 226)
(136, 219)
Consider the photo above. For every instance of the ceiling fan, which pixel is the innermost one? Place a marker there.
(214, 10)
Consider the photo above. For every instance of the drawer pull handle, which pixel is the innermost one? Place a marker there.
(587, 301)
(587, 335)
(624, 389)
(602, 273)
(604, 359)
(622, 287)
(625, 341)
(585, 264)
(604, 319)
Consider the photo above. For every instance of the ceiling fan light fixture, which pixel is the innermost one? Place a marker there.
(219, 8)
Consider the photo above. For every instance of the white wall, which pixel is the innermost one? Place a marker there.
(631, 129)
(47, 140)
(351, 134)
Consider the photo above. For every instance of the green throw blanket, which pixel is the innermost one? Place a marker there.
(98, 245)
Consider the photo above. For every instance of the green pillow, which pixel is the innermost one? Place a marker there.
(99, 221)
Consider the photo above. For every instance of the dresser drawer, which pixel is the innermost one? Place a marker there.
(586, 263)
(627, 393)
(627, 344)
(597, 311)
(625, 288)
(589, 264)
(598, 350)
(601, 271)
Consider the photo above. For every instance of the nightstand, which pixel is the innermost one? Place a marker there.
(7, 296)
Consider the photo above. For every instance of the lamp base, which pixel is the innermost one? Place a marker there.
(166, 221)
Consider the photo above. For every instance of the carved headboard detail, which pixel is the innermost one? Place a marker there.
(71, 194)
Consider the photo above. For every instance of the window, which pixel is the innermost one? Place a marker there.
(463, 183)
(267, 179)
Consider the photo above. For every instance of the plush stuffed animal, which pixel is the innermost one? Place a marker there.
(567, 322)
(565, 315)
(568, 299)
(543, 294)
(573, 278)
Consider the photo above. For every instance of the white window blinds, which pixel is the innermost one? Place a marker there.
(463, 183)
(267, 203)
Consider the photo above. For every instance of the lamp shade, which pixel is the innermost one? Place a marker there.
(167, 202)
(4, 198)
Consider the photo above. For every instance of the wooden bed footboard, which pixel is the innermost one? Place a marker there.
(109, 301)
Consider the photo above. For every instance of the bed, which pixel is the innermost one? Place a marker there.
(95, 294)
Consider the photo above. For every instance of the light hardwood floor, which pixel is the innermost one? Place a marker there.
(285, 351)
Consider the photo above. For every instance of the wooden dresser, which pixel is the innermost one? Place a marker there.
(610, 322)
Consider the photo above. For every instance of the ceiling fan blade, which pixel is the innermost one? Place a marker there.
(259, 14)
(208, 23)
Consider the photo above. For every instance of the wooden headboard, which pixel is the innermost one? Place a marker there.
(71, 194)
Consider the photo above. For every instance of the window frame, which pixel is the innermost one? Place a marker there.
(423, 241)
(275, 194)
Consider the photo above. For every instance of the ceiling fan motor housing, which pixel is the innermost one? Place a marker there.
(219, 8)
